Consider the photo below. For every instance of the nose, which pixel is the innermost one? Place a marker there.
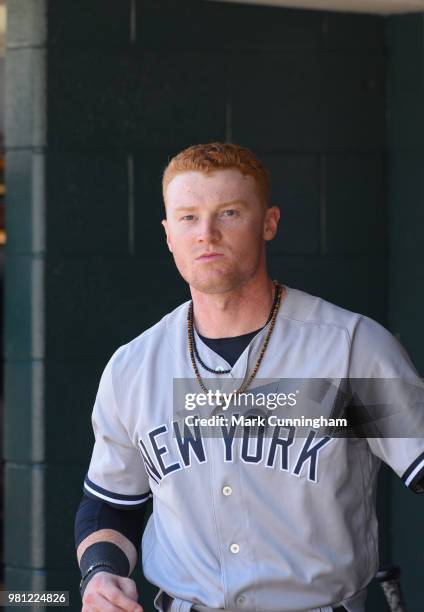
(208, 231)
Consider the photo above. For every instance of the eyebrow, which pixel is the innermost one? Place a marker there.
(223, 205)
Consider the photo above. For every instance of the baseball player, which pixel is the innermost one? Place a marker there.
(269, 519)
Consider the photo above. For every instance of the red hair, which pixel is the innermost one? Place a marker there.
(214, 156)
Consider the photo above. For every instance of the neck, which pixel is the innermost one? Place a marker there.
(237, 312)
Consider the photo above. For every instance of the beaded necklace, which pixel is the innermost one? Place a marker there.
(221, 370)
(194, 353)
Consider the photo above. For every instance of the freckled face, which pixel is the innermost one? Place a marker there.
(216, 226)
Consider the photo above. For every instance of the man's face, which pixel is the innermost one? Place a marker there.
(215, 227)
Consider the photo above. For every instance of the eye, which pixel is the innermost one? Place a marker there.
(187, 218)
(229, 212)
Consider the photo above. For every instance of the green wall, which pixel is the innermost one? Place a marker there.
(406, 288)
(99, 95)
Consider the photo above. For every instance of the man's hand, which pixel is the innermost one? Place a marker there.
(107, 592)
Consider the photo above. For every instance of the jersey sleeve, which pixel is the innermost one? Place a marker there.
(116, 473)
(386, 382)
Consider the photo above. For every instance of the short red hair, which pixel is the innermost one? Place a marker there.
(218, 156)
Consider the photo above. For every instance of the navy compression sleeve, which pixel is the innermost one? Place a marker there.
(95, 514)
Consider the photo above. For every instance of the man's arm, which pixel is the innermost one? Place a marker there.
(107, 535)
(95, 516)
(110, 535)
(118, 483)
(107, 591)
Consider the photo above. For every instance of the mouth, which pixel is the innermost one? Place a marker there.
(209, 256)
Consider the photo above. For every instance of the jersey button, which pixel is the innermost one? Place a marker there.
(234, 548)
(227, 490)
(241, 599)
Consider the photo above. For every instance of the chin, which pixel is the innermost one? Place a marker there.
(217, 282)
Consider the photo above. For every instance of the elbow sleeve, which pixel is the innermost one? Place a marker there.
(95, 514)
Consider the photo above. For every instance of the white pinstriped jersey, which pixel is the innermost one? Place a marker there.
(285, 525)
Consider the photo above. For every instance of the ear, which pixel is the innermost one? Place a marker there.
(272, 217)
(167, 233)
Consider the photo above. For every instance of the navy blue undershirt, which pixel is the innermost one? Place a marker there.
(230, 349)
